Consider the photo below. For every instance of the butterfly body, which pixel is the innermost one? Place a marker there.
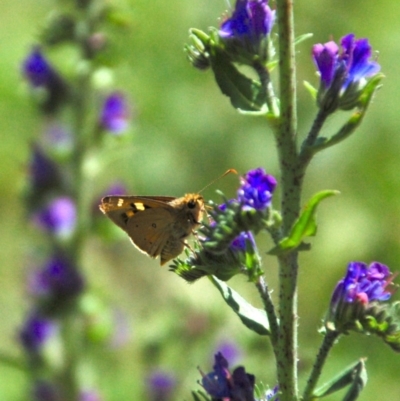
(157, 225)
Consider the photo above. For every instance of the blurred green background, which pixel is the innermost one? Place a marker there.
(185, 134)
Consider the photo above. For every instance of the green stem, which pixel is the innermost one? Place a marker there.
(291, 191)
(327, 344)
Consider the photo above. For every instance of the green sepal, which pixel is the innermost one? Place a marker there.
(253, 318)
(245, 94)
(354, 376)
(305, 225)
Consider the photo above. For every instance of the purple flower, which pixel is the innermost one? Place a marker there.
(58, 217)
(256, 189)
(35, 332)
(160, 385)
(115, 114)
(361, 285)
(249, 25)
(58, 281)
(37, 69)
(220, 383)
(344, 71)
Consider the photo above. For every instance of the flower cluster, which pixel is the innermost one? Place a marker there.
(361, 288)
(245, 33)
(57, 283)
(344, 72)
(228, 243)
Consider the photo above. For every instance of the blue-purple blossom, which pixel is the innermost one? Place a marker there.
(35, 331)
(249, 25)
(160, 385)
(58, 217)
(220, 383)
(344, 70)
(256, 189)
(115, 113)
(363, 284)
(58, 281)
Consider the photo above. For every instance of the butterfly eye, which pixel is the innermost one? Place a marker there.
(191, 204)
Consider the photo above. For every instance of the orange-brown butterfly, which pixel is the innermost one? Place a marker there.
(157, 225)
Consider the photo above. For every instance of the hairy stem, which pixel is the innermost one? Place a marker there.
(291, 191)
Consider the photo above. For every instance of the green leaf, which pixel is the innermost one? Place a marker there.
(253, 318)
(354, 375)
(305, 225)
(245, 94)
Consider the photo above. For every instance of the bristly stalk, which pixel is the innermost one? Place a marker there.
(291, 183)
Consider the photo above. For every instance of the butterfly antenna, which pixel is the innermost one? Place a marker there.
(231, 170)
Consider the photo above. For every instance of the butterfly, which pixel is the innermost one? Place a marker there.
(156, 225)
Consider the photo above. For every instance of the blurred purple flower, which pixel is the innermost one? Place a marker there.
(37, 69)
(160, 385)
(229, 349)
(35, 331)
(44, 172)
(89, 395)
(256, 189)
(40, 74)
(58, 217)
(58, 281)
(115, 114)
(45, 391)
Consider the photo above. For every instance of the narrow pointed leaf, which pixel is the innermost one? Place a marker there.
(253, 318)
(305, 225)
(245, 93)
(355, 373)
(359, 382)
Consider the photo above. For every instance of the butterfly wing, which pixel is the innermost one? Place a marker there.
(147, 221)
